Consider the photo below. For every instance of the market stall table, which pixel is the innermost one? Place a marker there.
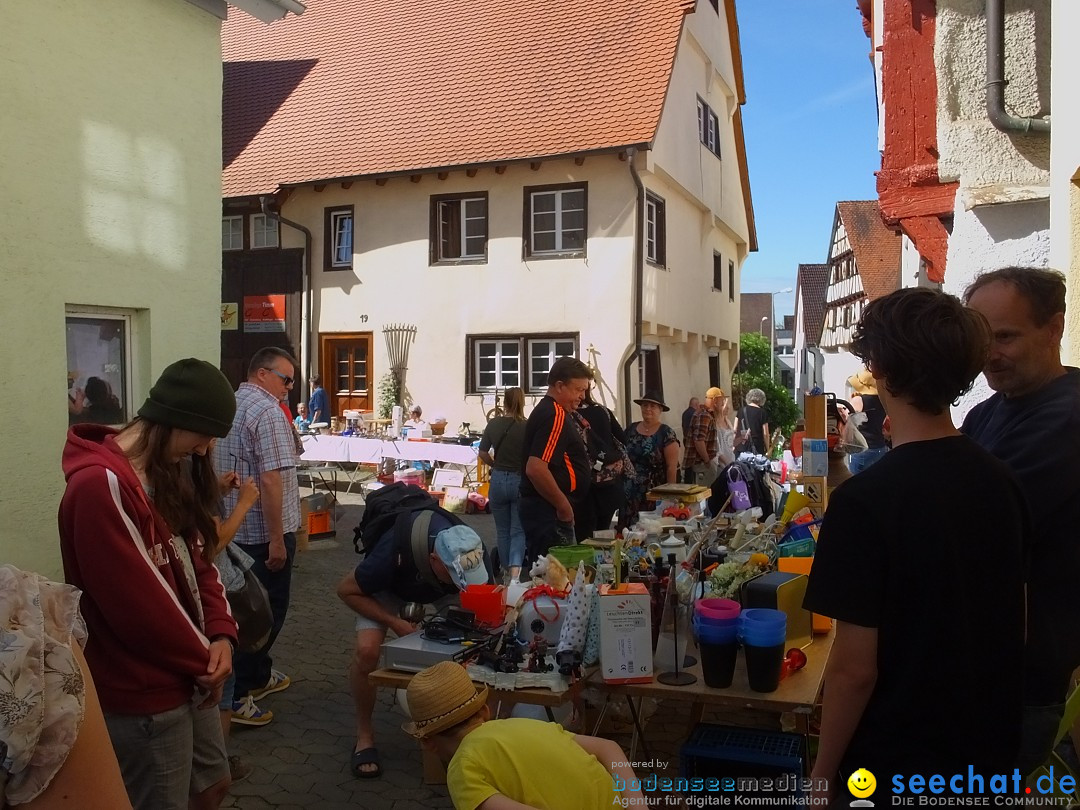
(789, 707)
(547, 698)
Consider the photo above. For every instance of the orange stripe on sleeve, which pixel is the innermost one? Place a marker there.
(553, 437)
(570, 470)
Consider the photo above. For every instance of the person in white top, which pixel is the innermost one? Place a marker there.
(416, 424)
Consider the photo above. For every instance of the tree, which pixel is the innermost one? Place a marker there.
(753, 372)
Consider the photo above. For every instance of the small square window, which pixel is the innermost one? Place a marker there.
(264, 231)
(555, 221)
(232, 233)
(459, 228)
(99, 366)
(655, 230)
(708, 127)
(338, 244)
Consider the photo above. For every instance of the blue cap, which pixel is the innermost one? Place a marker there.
(462, 552)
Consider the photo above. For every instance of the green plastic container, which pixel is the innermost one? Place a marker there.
(570, 556)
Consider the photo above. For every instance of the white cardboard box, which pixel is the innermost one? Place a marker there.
(815, 457)
(626, 634)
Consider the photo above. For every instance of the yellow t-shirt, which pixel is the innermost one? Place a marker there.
(529, 761)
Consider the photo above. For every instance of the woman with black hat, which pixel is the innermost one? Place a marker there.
(654, 449)
(137, 534)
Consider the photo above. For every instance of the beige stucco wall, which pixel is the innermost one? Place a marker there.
(1001, 214)
(972, 150)
(111, 146)
(392, 281)
(1065, 166)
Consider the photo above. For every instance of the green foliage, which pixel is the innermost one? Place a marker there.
(389, 393)
(753, 372)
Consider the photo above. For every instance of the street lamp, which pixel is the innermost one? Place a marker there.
(772, 331)
(761, 326)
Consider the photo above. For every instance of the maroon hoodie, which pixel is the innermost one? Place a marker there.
(147, 641)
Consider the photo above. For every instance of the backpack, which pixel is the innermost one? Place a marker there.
(407, 509)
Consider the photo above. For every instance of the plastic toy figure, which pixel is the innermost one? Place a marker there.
(538, 651)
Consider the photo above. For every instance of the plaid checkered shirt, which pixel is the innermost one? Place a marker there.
(261, 440)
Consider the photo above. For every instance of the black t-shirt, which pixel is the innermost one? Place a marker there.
(927, 546)
(755, 419)
(875, 418)
(550, 435)
(384, 569)
(1038, 438)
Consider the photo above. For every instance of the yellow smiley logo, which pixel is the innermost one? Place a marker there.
(862, 783)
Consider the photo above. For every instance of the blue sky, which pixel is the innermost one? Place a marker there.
(811, 130)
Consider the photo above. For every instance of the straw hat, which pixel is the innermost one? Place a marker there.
(441, 697)
(863, 383)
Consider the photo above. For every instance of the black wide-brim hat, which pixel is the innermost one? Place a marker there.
(655, 398)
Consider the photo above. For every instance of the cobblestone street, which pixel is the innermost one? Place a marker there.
(301, 759)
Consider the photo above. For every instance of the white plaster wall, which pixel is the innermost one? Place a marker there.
(110, 143)
(987, 238)
(703, 68)
(392, 281)
(838, 366)
(1065, 166)
(971, 149)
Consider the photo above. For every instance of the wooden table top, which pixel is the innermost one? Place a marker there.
(798, 690)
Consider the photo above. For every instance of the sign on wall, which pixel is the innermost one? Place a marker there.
(230, 317)
(264, 313)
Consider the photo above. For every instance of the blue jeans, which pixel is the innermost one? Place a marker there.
(504, 496)
(253, 668)
(857, 462)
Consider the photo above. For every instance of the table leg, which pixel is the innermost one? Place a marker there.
(639, 733)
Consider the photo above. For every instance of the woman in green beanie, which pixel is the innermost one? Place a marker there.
(137, 533)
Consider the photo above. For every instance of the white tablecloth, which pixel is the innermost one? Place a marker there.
(356, 450)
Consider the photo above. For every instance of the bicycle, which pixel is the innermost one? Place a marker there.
(496, 410)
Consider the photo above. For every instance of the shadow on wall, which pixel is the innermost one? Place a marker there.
(1005, 223)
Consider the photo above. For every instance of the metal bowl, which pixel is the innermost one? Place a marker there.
(413, 611)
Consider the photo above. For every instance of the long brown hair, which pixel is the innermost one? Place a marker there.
(514, 404)
(185, 495)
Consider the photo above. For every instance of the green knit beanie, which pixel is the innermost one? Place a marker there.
(192, 395)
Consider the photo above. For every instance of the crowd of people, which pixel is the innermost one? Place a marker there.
(947, 548)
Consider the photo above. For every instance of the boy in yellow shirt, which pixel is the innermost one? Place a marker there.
(513, 763)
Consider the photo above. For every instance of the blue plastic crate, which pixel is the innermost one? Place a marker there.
(748, 753)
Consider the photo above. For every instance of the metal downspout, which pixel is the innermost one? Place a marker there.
(305, 315)
(639, 280)
(995, 76)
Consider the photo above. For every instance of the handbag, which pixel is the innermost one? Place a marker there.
(250, 605)
(740, 495)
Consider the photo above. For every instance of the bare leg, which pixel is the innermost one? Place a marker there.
(212, 797)
(365, 660)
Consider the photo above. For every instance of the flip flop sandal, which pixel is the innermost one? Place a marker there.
(369, 756)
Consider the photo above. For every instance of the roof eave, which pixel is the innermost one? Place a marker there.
(607, 150)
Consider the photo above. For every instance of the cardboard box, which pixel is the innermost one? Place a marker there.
(626, 654)
(815, 461)
(802, 565)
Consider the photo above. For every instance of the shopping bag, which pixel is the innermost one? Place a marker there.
(740, 495)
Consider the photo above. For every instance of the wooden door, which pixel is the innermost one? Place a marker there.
(347, 371)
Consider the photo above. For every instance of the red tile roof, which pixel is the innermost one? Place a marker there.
(876, 247)
(813, 285)
(372, 87)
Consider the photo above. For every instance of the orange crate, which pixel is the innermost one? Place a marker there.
(320, 523)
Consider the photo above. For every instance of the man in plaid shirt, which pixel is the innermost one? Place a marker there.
(260, 445)
(702, 443)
